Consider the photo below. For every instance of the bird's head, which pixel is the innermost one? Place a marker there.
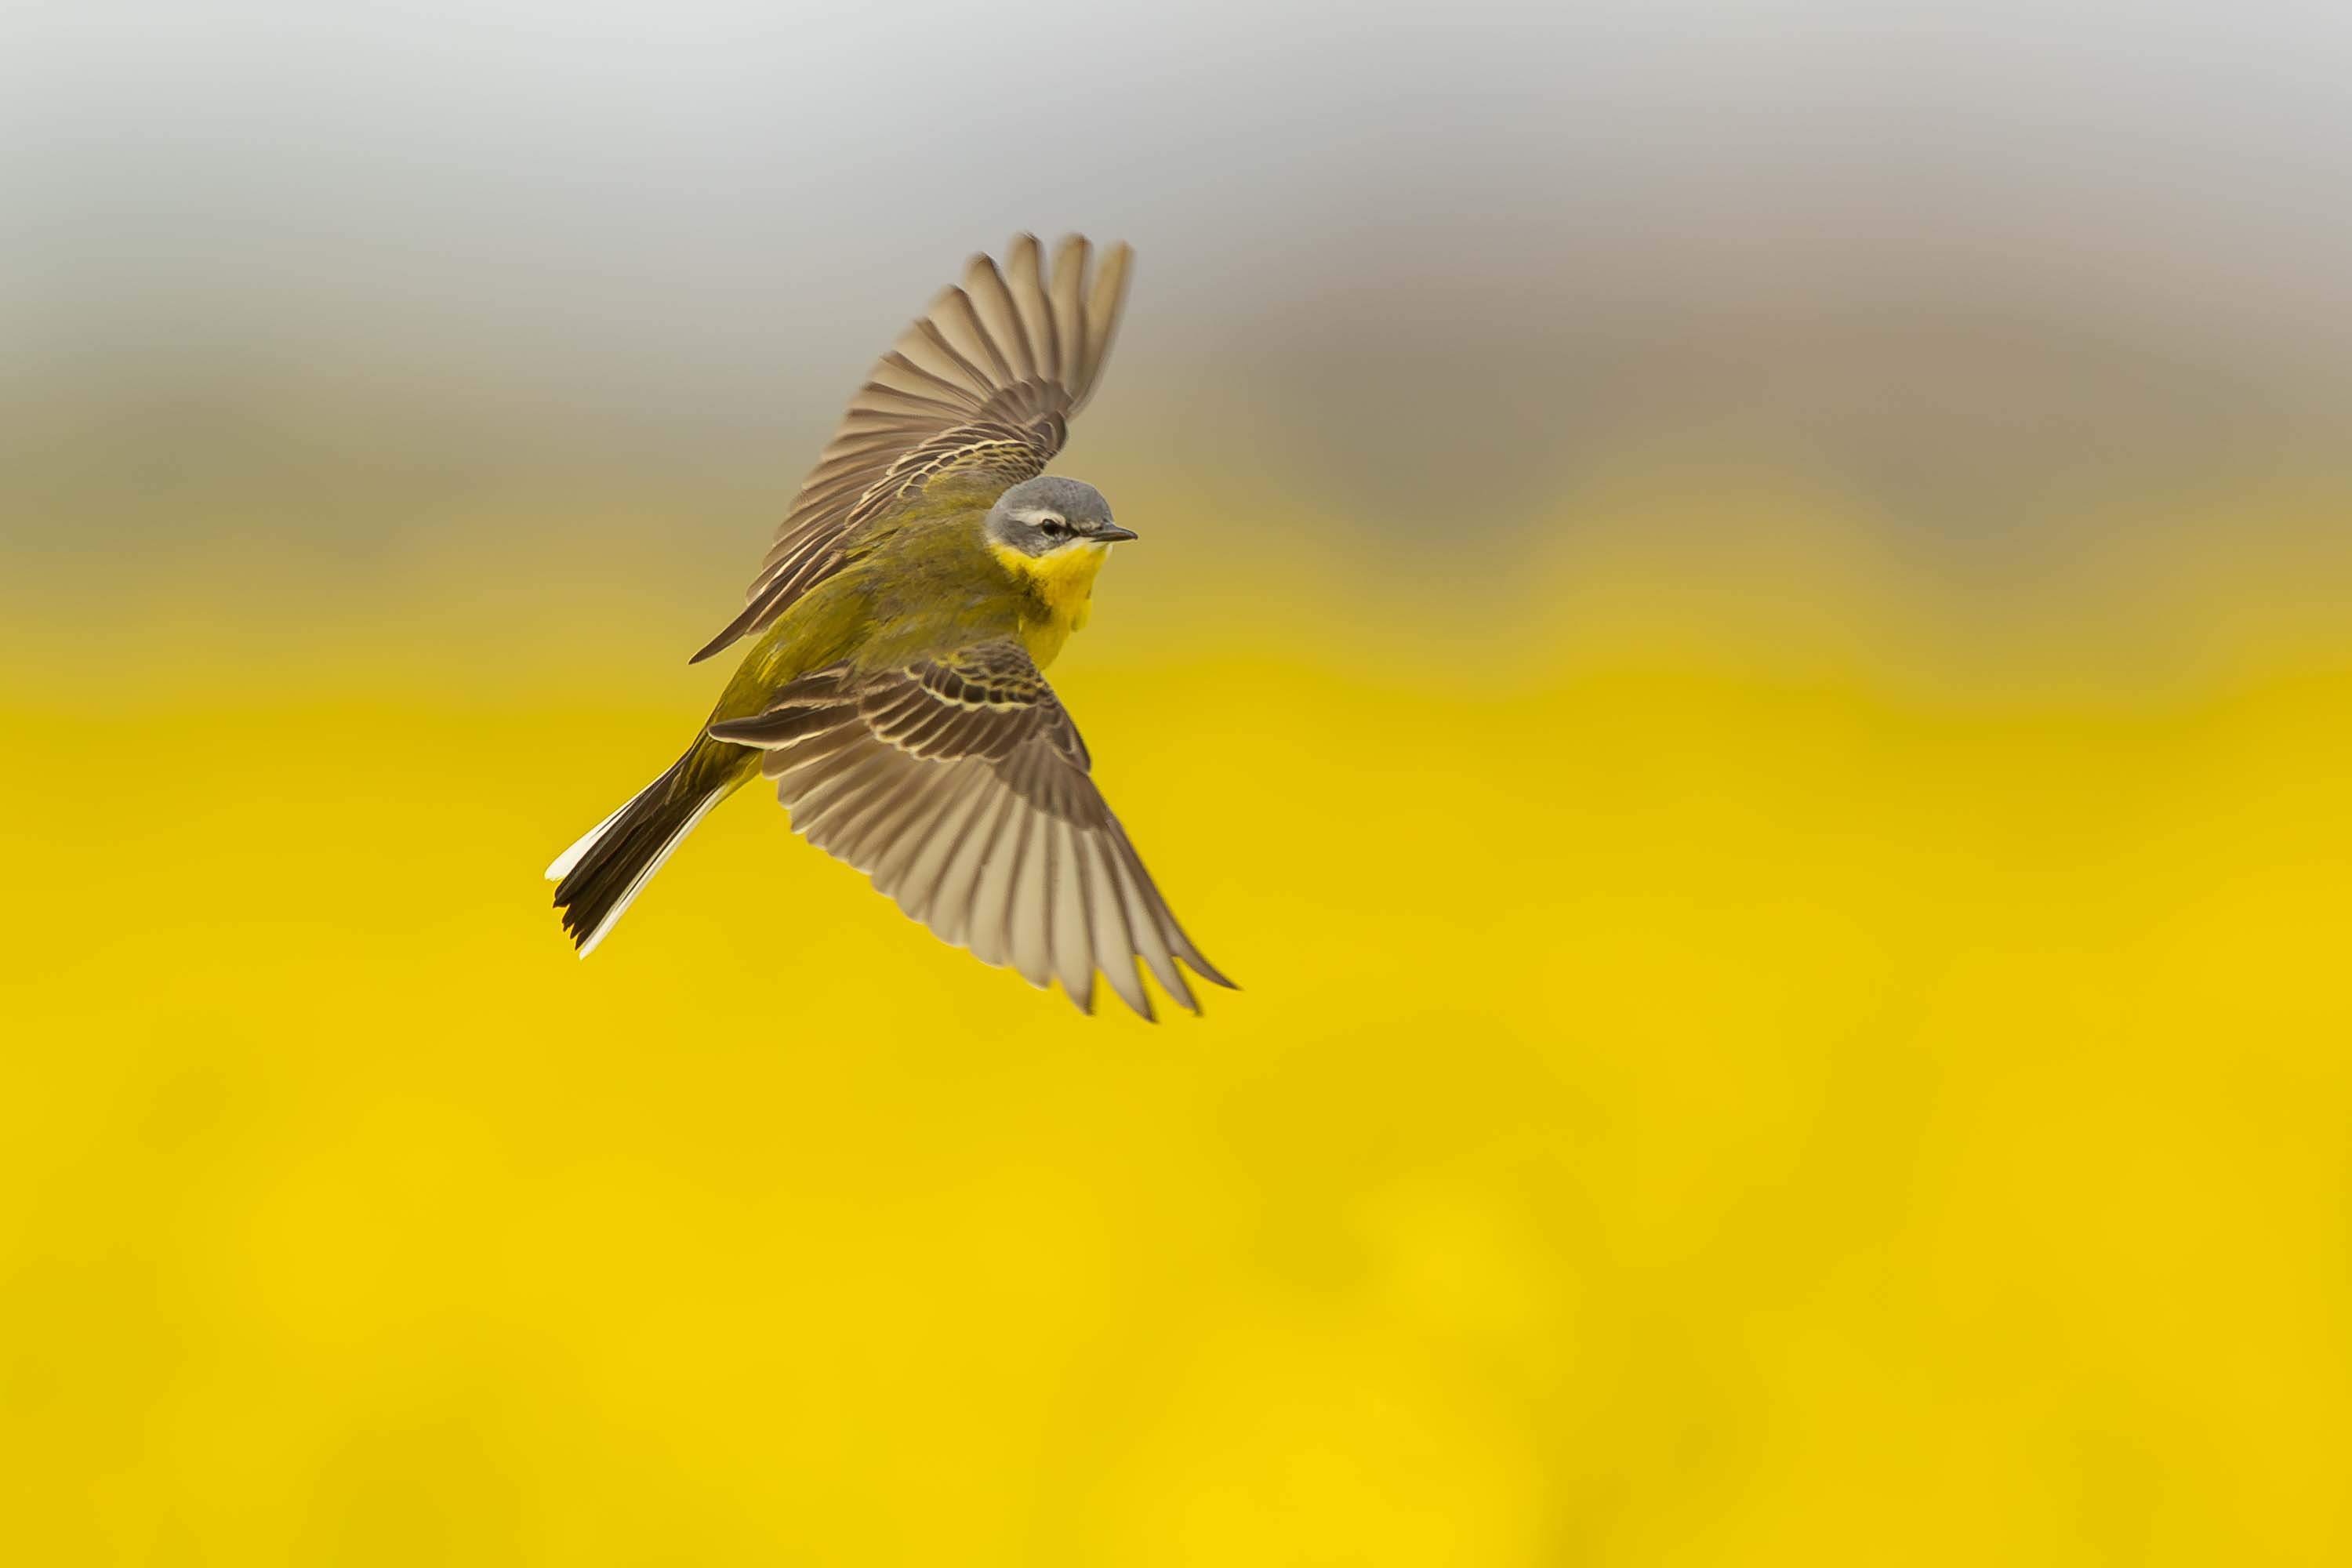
(1043, 516)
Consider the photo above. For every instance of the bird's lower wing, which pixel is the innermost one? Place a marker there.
(961, 788)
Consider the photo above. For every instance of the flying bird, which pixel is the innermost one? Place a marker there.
(927, 573)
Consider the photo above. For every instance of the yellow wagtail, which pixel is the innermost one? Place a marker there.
(928, 571)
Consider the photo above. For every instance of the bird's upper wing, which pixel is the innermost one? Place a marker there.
(961, 786)
(983, 385)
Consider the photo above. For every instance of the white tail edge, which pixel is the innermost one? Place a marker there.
(646, 873)
(562, 866)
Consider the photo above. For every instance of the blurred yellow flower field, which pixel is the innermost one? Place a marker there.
(1705, 1089)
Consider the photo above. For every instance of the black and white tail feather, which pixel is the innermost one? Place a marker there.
(598, 878)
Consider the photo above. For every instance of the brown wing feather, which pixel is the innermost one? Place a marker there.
(961, 786)
(983, 385)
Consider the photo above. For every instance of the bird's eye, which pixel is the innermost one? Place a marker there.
(1054, 528)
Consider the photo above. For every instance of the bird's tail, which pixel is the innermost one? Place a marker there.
(597, 879)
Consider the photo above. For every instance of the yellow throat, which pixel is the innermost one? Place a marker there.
(1061, 585)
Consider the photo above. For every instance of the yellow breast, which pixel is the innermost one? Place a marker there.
(1061, 587)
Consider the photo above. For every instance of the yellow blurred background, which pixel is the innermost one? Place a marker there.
(1743, 637)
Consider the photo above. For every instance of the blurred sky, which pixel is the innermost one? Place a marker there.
(1409, 257)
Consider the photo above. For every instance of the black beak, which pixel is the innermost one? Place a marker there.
(1111, 534)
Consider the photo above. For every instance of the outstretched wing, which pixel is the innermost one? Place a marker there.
(983, 386)
(961, 787)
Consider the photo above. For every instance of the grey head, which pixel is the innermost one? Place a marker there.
(1042, 515)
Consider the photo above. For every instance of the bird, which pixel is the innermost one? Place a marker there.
(925, 575)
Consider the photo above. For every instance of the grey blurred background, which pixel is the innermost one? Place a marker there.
(277, 270)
